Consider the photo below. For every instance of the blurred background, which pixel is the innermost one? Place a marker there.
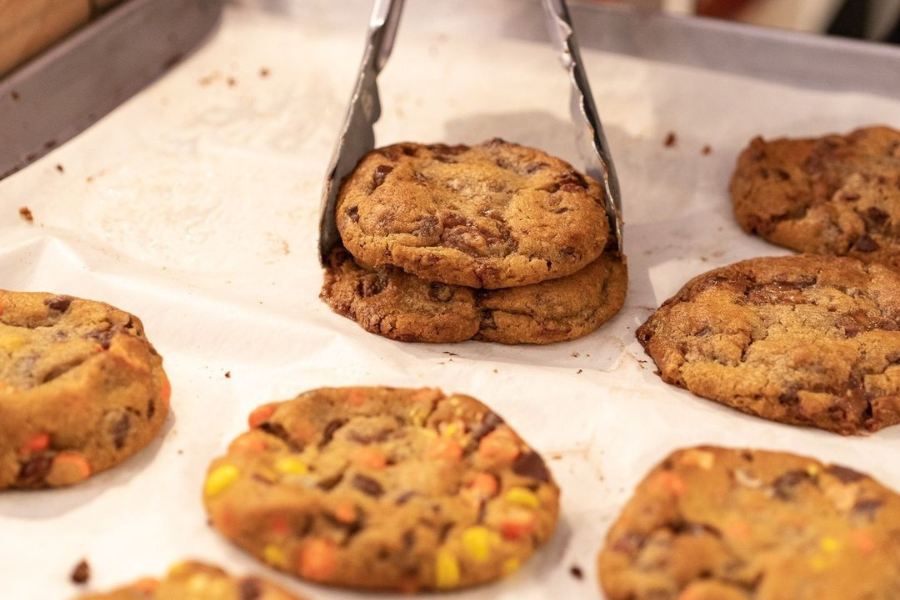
(862, 19)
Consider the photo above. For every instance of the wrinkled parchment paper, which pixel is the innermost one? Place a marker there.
(194, 206)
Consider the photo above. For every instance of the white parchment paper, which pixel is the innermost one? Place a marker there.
(194, 206)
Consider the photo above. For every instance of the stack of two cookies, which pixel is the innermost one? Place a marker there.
(495, 242)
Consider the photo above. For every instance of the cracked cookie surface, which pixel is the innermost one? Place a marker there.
(494, 215)
(403, 307)
(191, 580)
(383, 488)
(81, 389)
(725, 524)
(835, 195)
(806, 340)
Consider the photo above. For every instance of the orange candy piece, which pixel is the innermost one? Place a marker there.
(369, 457)
(68, 468)
(517, 524)
(166, 391)
(863, 540)
(447, 448)
(261, 414)
(248, 442)
(499, 444)
(36, 443)
(482, 487)
(670, 482)
(318, 560)
(345, 513)
(356, 398)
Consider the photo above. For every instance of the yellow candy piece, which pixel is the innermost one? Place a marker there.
(274, 556)
(446, 570)
(477, 543)
(290, 465)
(11, 342)
(451, 430)
(220, 478)
(511, 565)
(519, 495)
(177, 569)
(813, 470)
(199, 583)
(830, 544)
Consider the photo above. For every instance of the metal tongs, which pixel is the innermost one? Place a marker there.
(358, 134)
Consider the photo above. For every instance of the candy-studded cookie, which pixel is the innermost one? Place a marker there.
(832, 195)
(400, 306)
(489, 216)
(81, 389)
(382, 488)
(197, 581)
(719, 524)
(806, 340)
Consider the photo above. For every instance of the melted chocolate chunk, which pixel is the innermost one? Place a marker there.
(330, 429)
(381, 171)
(371, 285)
(35, 469)
(249, 589)
(783, 487)
(119, 431)
(353, 213)
(876, 215)
(330, 483)
(404, 498)
(440, 292)
(867, 507)
(59, 304)
(490, 422)
(843, 474)
(368, 486)
(531, 465)
(865, 243)
(151, 408)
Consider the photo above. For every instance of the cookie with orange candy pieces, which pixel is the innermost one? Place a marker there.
(383, 489)
(727, 524)
(81, 389)
(191, 580)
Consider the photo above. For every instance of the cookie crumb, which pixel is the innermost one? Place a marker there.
(25, 213)
(576, 572)
(495, 371)
(575, 355)
(227, 374)
(264, 72)
(707, 150)
(671, 140)
(231, 81)
(15, 95)
(60, 168)
(579, 371)
(450, 353)
(81, 574)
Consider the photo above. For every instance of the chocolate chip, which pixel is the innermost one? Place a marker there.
(404, 498)
(368, 486)
(576, 572)
(103, 336)
(409, 539)
(59, 304)
(851, 197)
(865, 243)
(867, 507)
(782, 174)
(440, 292)
(370, 438)
(843, 474)
(533, 167)
(426, 226)
(35, 469)
(151, 408)
(119, 430)
(371, 285)
(876, 215)
(489, 423)
(572, 178)
(783, 487)
(531, 465)
(561, 210)
(353, 213)
(381, 171)
(249, 589)
(789, 398)
(81, 574)
(330, 429)
(329, 483)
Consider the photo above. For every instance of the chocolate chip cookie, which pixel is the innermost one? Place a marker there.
(400, 306)
(197, 581)
(490, 216)
(806, 340)
(721, 524)
(81, 389)
(833, 195)
(383, 488)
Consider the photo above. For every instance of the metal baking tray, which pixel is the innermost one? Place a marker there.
(71, 85)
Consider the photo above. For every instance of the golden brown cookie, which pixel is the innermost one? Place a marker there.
(383, 488)
(192, 580)
(833, 195)
(806, 340)
(721, 524)
(81, 389)
(491, 216)
(399, 306)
